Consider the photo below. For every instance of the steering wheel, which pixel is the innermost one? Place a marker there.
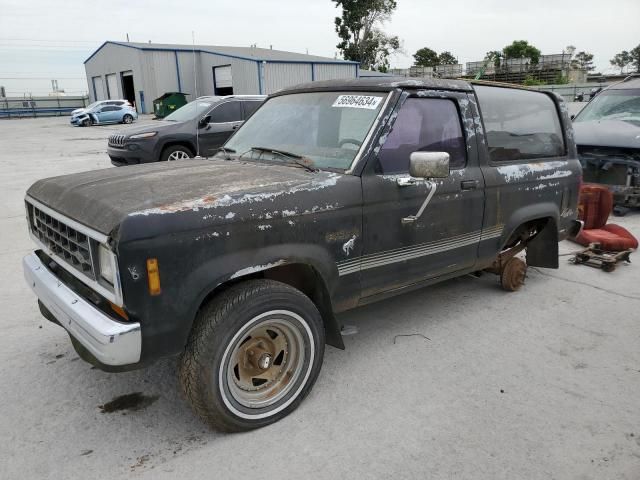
(352, 141)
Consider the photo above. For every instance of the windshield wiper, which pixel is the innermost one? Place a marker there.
(226, 151)
(300, 160)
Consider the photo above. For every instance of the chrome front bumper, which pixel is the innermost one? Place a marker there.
(111, 342)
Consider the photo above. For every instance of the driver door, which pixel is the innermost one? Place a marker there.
(222, 121)
(445, 237)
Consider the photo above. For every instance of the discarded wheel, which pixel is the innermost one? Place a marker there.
(513, 274)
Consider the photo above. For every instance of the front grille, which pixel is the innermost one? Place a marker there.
(67, 243)
(116, 141)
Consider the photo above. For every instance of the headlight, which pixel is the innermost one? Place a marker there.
(106, 263)
(143, 135)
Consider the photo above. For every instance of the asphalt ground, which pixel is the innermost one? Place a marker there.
(539, 384)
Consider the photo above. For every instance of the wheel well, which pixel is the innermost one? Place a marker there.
(182, 143)
(302, 277)
(541, 237)
(525, 231)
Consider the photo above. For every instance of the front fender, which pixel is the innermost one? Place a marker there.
(224, 268)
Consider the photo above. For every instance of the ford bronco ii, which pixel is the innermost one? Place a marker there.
(332, 195)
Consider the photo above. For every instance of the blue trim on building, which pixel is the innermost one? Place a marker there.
(178, 72)
(357, 72)
(259, 77)
(313, 74)
(95, 93)
(142, 109)
(239, 57)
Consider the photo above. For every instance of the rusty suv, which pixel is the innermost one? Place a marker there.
(332, 195)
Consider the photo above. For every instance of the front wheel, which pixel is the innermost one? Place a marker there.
(253, 355)
(175, 152)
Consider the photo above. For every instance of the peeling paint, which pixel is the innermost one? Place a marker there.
(349, 245)
(226, 200)
(257, 268)
(133, 271)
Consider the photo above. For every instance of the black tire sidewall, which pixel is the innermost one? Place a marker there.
(124, 119)
(212, 355)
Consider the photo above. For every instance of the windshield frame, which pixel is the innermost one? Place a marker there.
(386, 97)
(607, 92)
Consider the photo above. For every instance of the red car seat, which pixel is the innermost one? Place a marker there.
(595, 205)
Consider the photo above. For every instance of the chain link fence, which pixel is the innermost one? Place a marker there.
(54, 106)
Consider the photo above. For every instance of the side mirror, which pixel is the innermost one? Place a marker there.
(429, 164)
(204, 121)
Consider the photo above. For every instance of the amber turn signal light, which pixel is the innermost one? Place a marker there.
(153, 276)
(119, 310)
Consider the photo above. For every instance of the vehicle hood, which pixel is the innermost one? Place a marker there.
(156, 126)
(608, 133)
(193, 191)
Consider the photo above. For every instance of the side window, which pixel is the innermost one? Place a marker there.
(250, 107)
(425, 125)
(108, 108)
(520, 124)
(226, 112)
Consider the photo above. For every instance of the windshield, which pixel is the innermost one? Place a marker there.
(92, 105)
(327, 128)
(191, 110)
(613, 105)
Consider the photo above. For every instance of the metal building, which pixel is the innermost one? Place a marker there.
(141, 72)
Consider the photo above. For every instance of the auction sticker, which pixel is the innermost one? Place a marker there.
(357, 101)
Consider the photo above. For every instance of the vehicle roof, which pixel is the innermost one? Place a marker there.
(385, 84)
(225, 97)
(380, 84)
(632, 81)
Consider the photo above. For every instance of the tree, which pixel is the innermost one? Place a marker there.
(425, 57)
(495, 56)
(635, 58)
(446, 58)
(521, 48)
(621, 60)
(583, 61)
(362, 39)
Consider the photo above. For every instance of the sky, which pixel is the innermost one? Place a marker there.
(41, 40)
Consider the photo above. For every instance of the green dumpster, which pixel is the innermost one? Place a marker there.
(168, 103)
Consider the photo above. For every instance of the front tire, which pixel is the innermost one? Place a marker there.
(254, 353)
(176, 152)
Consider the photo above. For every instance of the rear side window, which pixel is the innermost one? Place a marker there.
(226, 112)
(520, 124)
(250, 107)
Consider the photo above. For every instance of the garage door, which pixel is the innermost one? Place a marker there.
(223, 76)
(112, 86)
(98, 88)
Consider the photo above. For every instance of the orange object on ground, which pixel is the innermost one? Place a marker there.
(594, 207)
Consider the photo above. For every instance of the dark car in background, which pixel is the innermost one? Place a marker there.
(198, 128)
(607, 133)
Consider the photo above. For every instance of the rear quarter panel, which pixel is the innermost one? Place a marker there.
(520, 191)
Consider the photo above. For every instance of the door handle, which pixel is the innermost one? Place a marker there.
(469, 184)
